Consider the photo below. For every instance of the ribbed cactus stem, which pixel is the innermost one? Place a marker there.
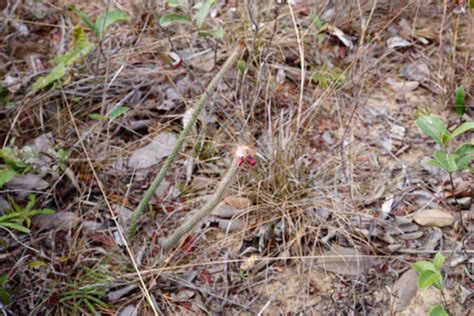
(179, 143)
(207, 208)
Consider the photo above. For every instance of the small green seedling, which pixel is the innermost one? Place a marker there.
(197, 19)
(113, 115)
(80, 46)
(19, 218)
(456, 161)
(429, 274)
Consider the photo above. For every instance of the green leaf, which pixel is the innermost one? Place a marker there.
(203, 12)
(462, 162)
(4, 297)
(118, 111)
(16, 227)
(447, 161)
(438, 260)
(439, 282)
(57, 73)
(438, 310)
(6, 175)
(321, 38)
(422, 265)
(241, 66)
(84, 17)
(98, 117)
(426, 278)
(81, 47)
(217, 33)
(176, 3)
(108, 18)
(3, 279)
(433, 127)
(171, 18)
(464, 127)
(318, 23)
(465, 149)
(459, 100)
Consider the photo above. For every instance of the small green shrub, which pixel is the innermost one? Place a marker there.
(195, 17)
(429, 274)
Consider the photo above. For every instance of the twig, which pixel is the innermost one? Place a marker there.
(167, 164)
(189, 225)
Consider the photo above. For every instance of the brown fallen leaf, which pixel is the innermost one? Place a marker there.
(238, 202)
(59, 221)
(345, 261)
(433, 217)
(151, 154)
(404, 290)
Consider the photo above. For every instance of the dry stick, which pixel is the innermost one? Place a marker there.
(189, 225)
(167, 164)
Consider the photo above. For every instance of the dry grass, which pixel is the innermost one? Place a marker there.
(322, 175)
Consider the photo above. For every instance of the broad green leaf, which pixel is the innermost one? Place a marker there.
(459, 100)
(6, 175)
(97, 117)
(438, 260)
(433, 127)
(465, 149)
(171, 18)
(108, 18)
(203, 12)
(438, 310)
(217, 33)
(464, 127)
(17, 227)
(422, 265)
(118, 111)
(463, 161)
(84, 17)
(3, 279)
(448, 161)
(426, 278)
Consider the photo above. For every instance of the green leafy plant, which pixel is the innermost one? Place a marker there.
(196, 17)
(88, 291)
(12, 165)
(80, 46)
(429, 274)
(325, 76)
(19, 218)
(104, 20)
(456, 161)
